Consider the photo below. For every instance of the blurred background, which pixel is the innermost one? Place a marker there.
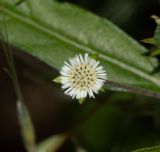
(122, 121)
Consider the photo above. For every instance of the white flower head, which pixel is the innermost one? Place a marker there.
(82, 76)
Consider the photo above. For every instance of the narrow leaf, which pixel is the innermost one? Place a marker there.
(149, 149)
(52, 144)
(148, 40)
(156, 18)
(27, 129)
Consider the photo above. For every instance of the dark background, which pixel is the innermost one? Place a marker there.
(48, 107)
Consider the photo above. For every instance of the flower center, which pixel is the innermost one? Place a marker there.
(83, 77)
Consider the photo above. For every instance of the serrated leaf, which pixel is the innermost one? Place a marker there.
(54, 31)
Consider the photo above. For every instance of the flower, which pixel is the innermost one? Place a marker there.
(82, 76)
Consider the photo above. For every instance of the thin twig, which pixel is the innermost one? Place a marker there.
(131, 89)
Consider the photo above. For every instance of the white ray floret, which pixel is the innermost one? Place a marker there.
(82, 76)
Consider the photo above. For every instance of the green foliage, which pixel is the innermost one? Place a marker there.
(149, 149)
(156, 37)
(156, 52)
(149, 40)
(52, 144)
(54, 31)
(27, 129)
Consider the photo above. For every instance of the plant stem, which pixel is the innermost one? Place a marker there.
(131, 89)
(27, 129)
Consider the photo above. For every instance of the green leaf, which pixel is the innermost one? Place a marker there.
(156, 52)
(148, 40)
(156, 18)
(54, 31)
(57, 79)
(80, 149)
(52, 144)
(27, 129)
(149, 149)
(157, 35)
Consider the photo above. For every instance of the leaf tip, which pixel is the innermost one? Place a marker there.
(156, 18)
(57, 79)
